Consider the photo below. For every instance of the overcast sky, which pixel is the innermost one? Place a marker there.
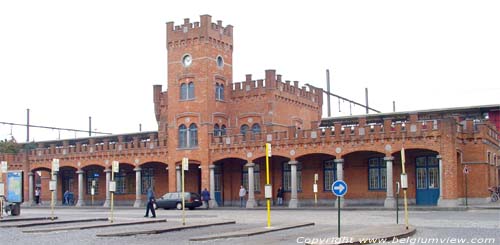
(68, 60)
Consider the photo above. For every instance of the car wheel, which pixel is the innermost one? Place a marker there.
(179, 206)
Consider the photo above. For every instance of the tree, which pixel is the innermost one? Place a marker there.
(9, 146)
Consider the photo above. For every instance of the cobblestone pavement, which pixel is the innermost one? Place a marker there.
(435, 225)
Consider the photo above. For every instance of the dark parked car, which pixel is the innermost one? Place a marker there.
(173, 200)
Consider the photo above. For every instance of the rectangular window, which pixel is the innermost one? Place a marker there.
(218, 178)
(124, 182)
(92, 175)
(377, 174)
(287, 177)
(329, 174)
(147, 179)
(256, 177)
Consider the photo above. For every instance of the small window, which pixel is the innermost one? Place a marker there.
(217, 131)
(187, 91)
(329, 174)
(377, 174)
(220, 61)
(287, 177)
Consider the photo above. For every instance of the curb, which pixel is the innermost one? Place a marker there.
(150, 232)
(248, 233)
(94, 226)
(25, 219)
(55, 222)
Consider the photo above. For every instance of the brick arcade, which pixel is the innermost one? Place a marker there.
(222, 126)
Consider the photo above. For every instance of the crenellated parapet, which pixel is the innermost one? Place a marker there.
(288, 91)
(180, 36)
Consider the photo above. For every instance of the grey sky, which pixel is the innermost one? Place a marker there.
(68, 60)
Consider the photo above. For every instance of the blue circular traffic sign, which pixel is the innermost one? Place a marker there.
(339, 188)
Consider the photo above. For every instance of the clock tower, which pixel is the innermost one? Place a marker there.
(199, 58)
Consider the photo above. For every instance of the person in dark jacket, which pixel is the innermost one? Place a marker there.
(279, 195)
(151, 201)
(205, 197)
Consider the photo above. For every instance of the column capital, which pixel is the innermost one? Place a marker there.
(439, 157)
(107, 170)
(250, 165)
(137, 169)
(30, 173)
(293, 162)
(389, 158)
(211, 166)
(340, 160)
(80, 171)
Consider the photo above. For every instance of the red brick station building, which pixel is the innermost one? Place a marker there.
(222, 126)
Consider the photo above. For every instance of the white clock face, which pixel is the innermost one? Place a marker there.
(187, 60)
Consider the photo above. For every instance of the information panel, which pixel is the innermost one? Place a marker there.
(15, 186)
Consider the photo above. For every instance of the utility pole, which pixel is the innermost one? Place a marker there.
(366, 97)
(90, 126)
(328, 89)
(27, 125)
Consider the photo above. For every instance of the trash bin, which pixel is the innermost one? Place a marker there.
(16, 209)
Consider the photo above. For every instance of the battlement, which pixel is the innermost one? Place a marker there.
(203, 31)
(273, 82)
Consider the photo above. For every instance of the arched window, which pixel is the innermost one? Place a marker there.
(183, 91)
(255, 128)
(216, 91)
(217, 131)
(190, 91)
(243, 131)
(223, 129)
(182, 136)
(219, 91)
(193, 135)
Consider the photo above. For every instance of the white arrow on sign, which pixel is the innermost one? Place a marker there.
(339, 187)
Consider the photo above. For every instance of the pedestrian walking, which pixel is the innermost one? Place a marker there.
(279, 195)
(243, 193)
(150, 204)
(66, 198)
(37, 196)
(205, 197)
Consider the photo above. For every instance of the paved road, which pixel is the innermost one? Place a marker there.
(472, 225)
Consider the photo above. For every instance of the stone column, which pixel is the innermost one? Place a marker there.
(389, 202)
(212, 203)
(178, 178)
(30, 190)
(107, 203)
(30, 202)
(340, 176)
(440, 159)
(54, 177)
(80, 201)
(251, 192)
(138, 185)
(293, 203)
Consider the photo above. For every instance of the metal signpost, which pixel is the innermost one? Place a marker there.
(115, 168)
(268, 188)
(404, 185)
(397, 202)
(315, 189)
(92, 192)
(466, 173)
(53, 185)
(3, 170)
(339, 188)
(185, 167)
